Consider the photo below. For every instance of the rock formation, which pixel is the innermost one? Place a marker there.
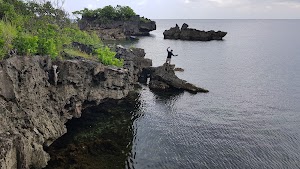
(134, 60)
(186, 33)
(119, 30)
(164, 78)
(33, 111)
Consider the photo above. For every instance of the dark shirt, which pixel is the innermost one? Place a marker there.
(170, 54)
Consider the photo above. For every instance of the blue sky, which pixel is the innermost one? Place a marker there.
(200, 9)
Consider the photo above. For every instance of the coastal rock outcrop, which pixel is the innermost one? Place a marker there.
(134, 61)
(119, 30)
(164, 78)
(34, 107)
(38, 96)
(186, 33)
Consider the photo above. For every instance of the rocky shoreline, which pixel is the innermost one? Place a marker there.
(34, 110)
(38, 96)
(185, 33)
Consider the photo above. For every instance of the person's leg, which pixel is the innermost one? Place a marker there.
(168, 61)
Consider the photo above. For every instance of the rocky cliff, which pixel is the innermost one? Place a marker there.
(38, 96)
(119, 30)
(186, 33)
(134, 61)
(36, 102)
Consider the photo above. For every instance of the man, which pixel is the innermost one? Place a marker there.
(170, 54)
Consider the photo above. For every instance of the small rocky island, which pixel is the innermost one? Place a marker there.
(186, 33)
(115, 23)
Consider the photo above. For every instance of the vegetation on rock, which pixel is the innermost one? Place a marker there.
(41, 28)
(107, 13)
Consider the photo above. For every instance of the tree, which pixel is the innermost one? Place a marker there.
(106, 14)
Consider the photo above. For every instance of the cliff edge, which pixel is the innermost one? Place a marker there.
(35, 103)
(118, 29)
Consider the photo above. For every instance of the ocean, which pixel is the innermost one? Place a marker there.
(249, 119)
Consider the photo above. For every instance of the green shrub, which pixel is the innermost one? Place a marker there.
(49, 41)
(26, 44)
(107, 57)
(7, 33)
(77, 35)
(9, 13)
(124, 12)
(75, 52)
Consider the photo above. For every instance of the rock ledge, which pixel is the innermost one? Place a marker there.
(164, 78)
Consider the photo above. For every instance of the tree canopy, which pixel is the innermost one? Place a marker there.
(107, 13)
(33, 28)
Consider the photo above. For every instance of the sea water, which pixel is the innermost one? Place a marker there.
(251, 116)
(249, 119)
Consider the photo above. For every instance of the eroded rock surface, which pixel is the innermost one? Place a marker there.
(134, 61)
(119, 30)
(164, 78)
(33, 110)
(186, 33)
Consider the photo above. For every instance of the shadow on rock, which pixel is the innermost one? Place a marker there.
(101, 138)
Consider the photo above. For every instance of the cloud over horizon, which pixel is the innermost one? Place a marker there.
(200, 9)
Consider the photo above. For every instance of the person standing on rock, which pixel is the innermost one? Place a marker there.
(170, 54)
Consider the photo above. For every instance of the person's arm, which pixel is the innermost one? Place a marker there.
(168, 49)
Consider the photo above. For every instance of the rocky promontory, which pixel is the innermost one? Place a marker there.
(185, 33)
(164, 78)
(38, 96)
(119, 29)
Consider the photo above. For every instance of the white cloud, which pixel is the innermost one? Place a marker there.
(198, 9)
(90, 6)
(289, 4)
(142, 2)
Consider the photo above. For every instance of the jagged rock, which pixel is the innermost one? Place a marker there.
(119, 30)
(179, 69)
(164, 78)
(172, 33)
(83, 47)
(186, 33)
(134, 61)
(184, 26)
(158, 85)
(33, 111)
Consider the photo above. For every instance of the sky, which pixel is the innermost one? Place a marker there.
(199, 9)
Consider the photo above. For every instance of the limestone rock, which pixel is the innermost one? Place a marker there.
(119, 30)
(33, 111)
(164, 78)
(172, 33)
(179, 69)
(186, 33)
(134, 61)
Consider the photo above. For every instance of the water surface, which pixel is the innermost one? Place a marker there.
(251, 116)
(249, 119)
